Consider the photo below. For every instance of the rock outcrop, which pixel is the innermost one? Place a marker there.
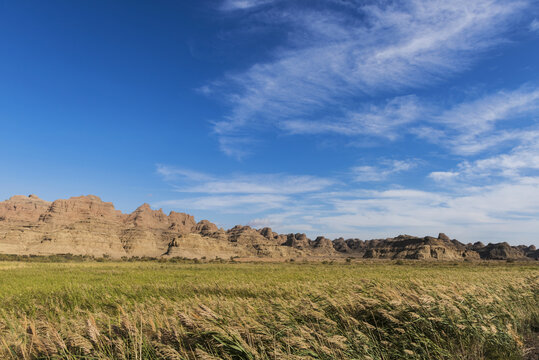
(23, 209)
(85, 225)
(410, 247)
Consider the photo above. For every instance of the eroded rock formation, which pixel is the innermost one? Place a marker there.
(86, 225)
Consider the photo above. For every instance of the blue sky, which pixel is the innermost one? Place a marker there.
(354, 118)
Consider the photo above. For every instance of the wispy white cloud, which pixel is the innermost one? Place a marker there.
(341, 53)
(481, 115)
(466, 128)
(188, 181)
(230, 5)
(471, 127)
(534, 25)
(381, 172)
(444, 176)
(236, 145)
(267, 184)
(502, 118)
(380, 121)
(238, 193)
(238, 203)
(515, 164)
(173, 173)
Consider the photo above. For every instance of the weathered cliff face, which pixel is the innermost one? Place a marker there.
(503, 251)
(62, 212)
(22, 208)
(86, 225)
(409, 247)
(426, 248)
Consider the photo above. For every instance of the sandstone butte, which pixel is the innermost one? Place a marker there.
(85, 225)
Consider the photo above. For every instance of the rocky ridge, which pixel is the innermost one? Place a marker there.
(86, 225)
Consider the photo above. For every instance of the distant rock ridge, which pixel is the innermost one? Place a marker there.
(86, 225)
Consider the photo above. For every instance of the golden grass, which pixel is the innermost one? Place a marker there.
(378, 310)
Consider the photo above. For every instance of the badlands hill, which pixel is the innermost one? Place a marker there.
(85, 225)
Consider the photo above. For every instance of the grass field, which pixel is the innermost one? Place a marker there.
(379, 310)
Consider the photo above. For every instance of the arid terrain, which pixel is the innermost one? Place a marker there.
(86, 225)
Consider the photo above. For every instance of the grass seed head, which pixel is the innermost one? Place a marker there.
(78, 343)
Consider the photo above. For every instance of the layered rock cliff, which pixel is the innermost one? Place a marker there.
(86, 225)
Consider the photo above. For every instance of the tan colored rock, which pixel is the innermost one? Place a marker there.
(85, 225)
(182, 223)
(145, 217)
(23, 208)
(62, 212)
(298, 241)
(443, 237)
(196, 246)
(206, 227)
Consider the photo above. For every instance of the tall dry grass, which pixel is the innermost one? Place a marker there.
(267, 311)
